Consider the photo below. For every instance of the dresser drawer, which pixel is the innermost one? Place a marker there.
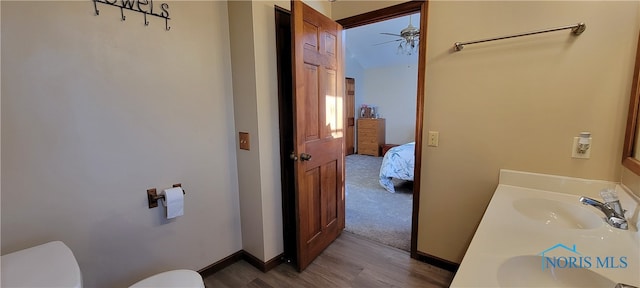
(368, 123)
(368, 140)
(367, 131)
(369, 149)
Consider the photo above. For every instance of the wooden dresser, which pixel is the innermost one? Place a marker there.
(371, 136)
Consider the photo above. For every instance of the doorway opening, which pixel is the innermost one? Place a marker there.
(381, 58)
(405, 9)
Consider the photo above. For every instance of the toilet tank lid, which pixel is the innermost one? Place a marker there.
(48, 265)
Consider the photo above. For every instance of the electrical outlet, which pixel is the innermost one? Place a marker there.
(433, 138)
(576, 154)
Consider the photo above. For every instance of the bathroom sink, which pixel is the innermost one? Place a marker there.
(557, 213)
(526, 271)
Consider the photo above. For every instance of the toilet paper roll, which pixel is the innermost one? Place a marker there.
(174, 201)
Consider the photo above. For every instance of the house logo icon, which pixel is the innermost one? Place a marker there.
(561, 262)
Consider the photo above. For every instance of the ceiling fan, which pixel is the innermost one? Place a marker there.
(408, 39)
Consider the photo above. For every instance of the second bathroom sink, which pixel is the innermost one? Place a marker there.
(557, 213)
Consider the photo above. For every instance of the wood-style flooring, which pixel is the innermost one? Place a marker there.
(350, 261)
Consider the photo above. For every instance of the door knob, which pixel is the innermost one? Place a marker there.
(305, 156)
(293, 156)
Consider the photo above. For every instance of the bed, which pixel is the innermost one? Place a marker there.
(397, 163)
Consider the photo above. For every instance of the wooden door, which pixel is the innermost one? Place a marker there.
(318, 130)
(350, 110)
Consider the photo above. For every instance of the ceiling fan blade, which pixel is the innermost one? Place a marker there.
(391, 34)
(388, 42)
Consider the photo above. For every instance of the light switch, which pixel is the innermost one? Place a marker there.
(244, 141)
(433, 138)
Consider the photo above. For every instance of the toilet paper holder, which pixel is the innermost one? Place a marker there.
(153, 197)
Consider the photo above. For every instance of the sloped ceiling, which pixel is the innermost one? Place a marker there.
(364, 43)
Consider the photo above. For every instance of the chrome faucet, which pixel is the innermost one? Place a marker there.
(622, 285)
(614, 218)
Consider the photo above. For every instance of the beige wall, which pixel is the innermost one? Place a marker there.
(322, 6)
(348, 8)
(253, 52)
(245, 106)
(518, 103)
(268, 123)
(94, 112)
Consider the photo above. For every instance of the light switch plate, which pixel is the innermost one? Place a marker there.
(433, 138)
(244, 141)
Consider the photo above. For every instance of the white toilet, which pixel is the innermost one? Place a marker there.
(53, 265)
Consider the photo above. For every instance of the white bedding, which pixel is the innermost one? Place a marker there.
(397, 163)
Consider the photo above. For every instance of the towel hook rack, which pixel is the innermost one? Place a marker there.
(576, 30)
(129, 5)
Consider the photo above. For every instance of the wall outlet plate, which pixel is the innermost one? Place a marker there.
(574, 149)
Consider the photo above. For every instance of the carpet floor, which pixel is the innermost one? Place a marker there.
(372, 211)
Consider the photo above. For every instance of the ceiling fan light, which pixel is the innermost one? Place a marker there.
(400, 49)
(408, 42)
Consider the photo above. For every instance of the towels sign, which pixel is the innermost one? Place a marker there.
(146, 7)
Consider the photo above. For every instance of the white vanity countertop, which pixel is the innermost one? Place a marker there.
(506, 250)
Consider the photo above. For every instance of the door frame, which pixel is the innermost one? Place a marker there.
(285, 115)
(395, 11)
(349, 102)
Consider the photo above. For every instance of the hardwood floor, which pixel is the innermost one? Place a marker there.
(350, 261)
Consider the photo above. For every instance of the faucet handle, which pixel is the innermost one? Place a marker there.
(610, 198)
(620, 223)
(615, 205)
